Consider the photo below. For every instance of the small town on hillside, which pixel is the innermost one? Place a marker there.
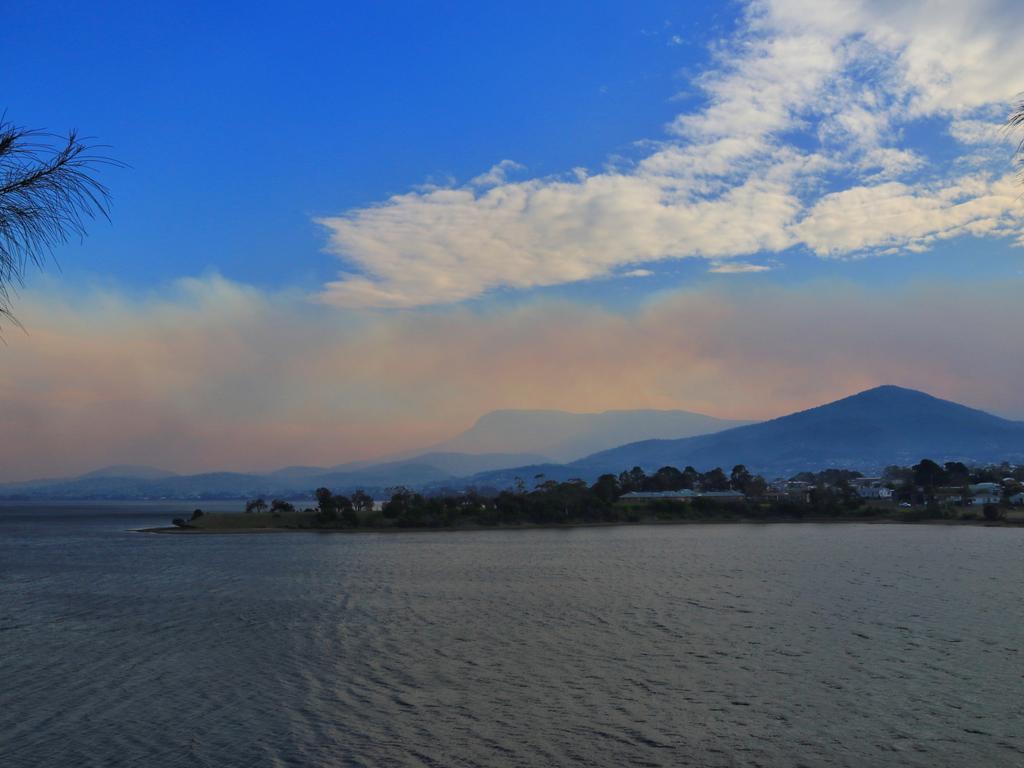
(951, 485)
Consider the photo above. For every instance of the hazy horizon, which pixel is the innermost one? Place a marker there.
(425, 449)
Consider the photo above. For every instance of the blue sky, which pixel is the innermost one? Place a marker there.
(346, 230)
(241, 122)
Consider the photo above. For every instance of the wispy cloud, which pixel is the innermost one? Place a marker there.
(801, 123)
(737, 268)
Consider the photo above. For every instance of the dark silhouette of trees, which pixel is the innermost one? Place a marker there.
(957, 473)
(740, 478)
(714, 480)
(633, 480)
(832, 494)
(332, 508)
(928, 474)
(256, 505)
(277, 506)
(362, 503)
(1014, 123)
(666, 479)
(325, 503)
(401, 503)
(992, 512)
(607, 488)
(48, 191)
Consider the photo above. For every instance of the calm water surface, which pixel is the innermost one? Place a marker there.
(716, 645)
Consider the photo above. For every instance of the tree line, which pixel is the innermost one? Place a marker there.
(829, 493)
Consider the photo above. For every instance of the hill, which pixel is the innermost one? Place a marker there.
(128, 471)
(434, 469)
(564, 436)
(868, 431)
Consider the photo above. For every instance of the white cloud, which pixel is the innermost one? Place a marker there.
(497, 175)
(453, 244)
(736, 268)
(841, 76)
(895, 215)
(974, 131)
(890, 163)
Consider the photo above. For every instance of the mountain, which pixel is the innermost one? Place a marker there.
(564, 436)
(128, 482)
(462, 464)
(132, 471)
(867, 431)
(885, 425)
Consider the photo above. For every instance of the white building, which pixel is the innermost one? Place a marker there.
(985, 493)
(874, 492)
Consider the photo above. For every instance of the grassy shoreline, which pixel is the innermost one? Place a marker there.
(877, 520)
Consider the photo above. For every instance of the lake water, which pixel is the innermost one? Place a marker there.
(710, 645)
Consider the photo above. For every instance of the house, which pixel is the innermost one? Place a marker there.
(789, 490)
(985, 493)
(649, 496)
(871, 488)
(646, 497)
(722, 496)
(951, 495)
(874, 492)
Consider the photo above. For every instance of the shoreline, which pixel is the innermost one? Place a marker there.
(174, 530)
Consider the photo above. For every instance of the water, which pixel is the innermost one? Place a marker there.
(716, 645)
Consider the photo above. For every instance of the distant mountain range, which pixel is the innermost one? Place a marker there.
(133, 482)
(868, 431)
(508, 438)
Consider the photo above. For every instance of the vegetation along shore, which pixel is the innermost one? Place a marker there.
(924, 492)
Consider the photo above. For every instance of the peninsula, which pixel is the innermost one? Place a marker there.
(926, 491)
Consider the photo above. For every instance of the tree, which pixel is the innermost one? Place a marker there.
(343, 509)
(928, 475)
(740, 478)
(897, 475)
(400, 504)
(667, 479)
(256, 505)
(325, 503)
(957, 473)
(633, 480)
(715, 480)
(362, 502)
(280, 505)
(48, 190)
(992, 512)
(606, 488)
(1014, 123)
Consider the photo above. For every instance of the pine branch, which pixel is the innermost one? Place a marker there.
(49, 190)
